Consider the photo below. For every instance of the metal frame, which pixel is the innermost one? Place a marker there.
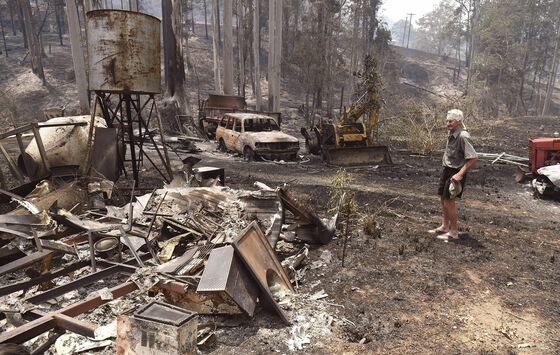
(18, 286)
(65, 317)
(127, 115)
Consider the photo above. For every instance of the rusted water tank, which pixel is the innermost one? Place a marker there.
(123, 51)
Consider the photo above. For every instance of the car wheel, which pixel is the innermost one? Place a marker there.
(248, 154)
(222, 146)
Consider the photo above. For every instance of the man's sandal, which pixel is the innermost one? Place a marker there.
(447, 236)
(437, 231)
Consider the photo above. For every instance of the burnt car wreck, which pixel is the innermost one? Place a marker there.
(255, 136)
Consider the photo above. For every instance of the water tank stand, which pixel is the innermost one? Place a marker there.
(132, 115)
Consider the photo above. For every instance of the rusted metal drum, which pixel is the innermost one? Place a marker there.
(123, 52)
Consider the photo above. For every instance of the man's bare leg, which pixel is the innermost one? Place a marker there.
(451, 209)
(445, 217)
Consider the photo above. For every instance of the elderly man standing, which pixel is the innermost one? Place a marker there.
(459, 157)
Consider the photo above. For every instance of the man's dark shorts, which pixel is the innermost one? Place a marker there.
(445, 180)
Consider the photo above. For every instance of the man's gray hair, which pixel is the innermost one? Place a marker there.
(455, 115)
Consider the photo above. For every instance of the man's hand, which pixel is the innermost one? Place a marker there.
(457, 177)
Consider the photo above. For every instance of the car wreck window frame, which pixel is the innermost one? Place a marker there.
(237, 125)
(259, 124)
(229, 123)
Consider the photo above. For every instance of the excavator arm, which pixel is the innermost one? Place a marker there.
(349, 141)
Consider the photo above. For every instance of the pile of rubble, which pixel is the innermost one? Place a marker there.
(163, 260)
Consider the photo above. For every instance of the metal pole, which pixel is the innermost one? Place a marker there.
(91, 252)
(341, 99)
(165, 154)
(404, 32)
(409, 27)
(127, 100)
(40, 146)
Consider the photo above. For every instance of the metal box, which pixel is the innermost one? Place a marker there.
(157, 329)
(224, 273)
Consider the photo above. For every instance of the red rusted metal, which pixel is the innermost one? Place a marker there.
(543, 152)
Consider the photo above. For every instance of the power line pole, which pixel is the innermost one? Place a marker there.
(409, 27)
(404, 32)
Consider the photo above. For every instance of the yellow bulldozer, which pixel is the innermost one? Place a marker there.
(349, 141)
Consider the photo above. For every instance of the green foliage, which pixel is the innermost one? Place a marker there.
(340, 191)
(419, 127)
(440, 30)
(381, 42)
(515, 44)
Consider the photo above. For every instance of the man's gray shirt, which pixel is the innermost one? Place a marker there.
(458, 149)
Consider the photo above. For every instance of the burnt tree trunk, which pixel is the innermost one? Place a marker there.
(205, 19)
(257, 54)
(553, 70)
(241, 46)
(3, 35)
(77, 55)
(173, 52)
(22, 24)
(32, 42)
(57, 9)
(11, 10)
(219, 24)
(216, 47)
(228, 47)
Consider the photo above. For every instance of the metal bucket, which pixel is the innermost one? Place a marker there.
(107, 248)
(123, 52)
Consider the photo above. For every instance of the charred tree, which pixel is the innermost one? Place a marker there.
(3, 35)
(33, 44)
(553, 70)
(77, 55)
(216, 47)
(228, 47)
(22, 24)
(274, 54)
(57, 14)
(241, 47)
(218, 21)
(173, 52)
(257, 54)
(205, 19)
(10, 4)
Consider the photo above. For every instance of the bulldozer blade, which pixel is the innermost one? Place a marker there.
(356, 156)
(521, 175)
